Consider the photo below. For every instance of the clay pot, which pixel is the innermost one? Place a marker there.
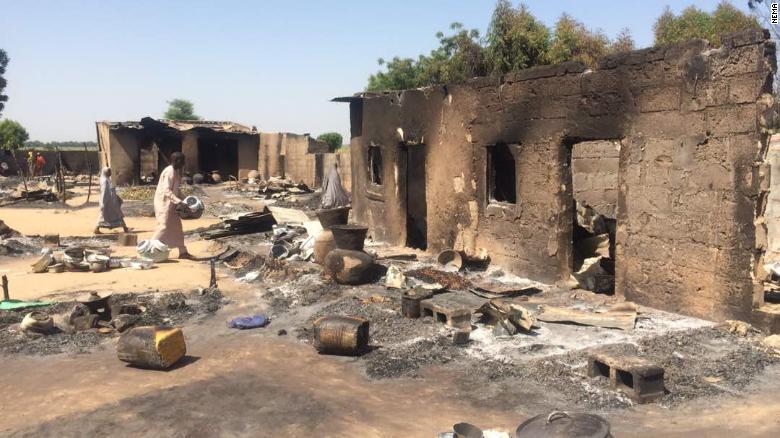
(216, 177)
(323, 244)
(450, 257)
(350, 267)
(333, 216)
(198, 178)
(349, 237)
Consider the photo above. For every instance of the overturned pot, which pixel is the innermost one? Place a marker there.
(349, 237)
(350, 267)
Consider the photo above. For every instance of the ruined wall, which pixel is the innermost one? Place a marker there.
(122, 151)
(76, 161)
(299, 164)
(248, 151)
(270, 154)
(189, 147)
(772, 214)
(293, 156)
(594, 166)
(690, 184)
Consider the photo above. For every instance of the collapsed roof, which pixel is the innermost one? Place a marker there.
(185, 125)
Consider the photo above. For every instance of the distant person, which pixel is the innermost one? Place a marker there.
(30, 163)
(40, 163)
(166, 198)
(333, 193)
(110, 204)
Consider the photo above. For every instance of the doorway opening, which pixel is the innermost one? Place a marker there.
(594, 182)
(502, 176)
(218, 154)
(416, 201)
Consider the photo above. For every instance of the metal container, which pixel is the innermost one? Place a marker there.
(349, 237)
(410, 305)
(51, 239)
(466, 430)
(560, 424)
(343, 335)
(450, 257)
(333, 216)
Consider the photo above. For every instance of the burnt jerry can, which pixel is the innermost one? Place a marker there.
(151, 347)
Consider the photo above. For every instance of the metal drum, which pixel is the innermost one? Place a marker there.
(344, 335)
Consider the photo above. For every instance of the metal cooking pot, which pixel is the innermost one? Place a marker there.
(559, 424)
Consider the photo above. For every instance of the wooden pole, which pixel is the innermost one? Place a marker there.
(213, 281)
(6, 297)
(62, 177)
(89, 171)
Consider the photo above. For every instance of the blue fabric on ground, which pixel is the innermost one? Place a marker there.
(248, 322)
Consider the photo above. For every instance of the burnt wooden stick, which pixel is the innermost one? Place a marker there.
(213, 281)
(6, 297)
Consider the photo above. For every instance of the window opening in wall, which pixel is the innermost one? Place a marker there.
(594, 183)
(502, 185)
(375, 164)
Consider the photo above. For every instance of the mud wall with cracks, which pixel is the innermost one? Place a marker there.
(692, 180)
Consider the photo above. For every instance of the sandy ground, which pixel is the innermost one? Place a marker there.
(78, 220)
(255, 383)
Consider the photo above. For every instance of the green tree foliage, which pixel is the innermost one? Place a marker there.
(695, 23)
(575, 42)
(334, 139)
(458, 57)
(3, 64)
(180, 109)
(12, 135)
(515, 40)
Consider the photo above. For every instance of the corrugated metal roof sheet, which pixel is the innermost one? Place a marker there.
(185, 125)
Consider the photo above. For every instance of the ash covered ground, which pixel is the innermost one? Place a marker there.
(700, 360)
(160, 309)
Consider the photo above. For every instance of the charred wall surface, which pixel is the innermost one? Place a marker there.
(691, 186)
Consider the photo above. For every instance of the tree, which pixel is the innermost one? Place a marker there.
(12, 135)
(3, 64)
(695, 23)
(180, 109)
(515, 39)
(334, 139)
(575, 42)
(458, 57)
(401, 74)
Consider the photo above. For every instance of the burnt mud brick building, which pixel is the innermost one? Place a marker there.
(485, 166)
(138, 149)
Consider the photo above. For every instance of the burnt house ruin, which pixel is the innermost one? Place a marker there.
(668, 144)
(137, 150)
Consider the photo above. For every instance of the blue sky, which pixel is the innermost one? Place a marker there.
(273, 64)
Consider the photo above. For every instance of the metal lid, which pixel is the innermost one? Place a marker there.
(560, 424)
